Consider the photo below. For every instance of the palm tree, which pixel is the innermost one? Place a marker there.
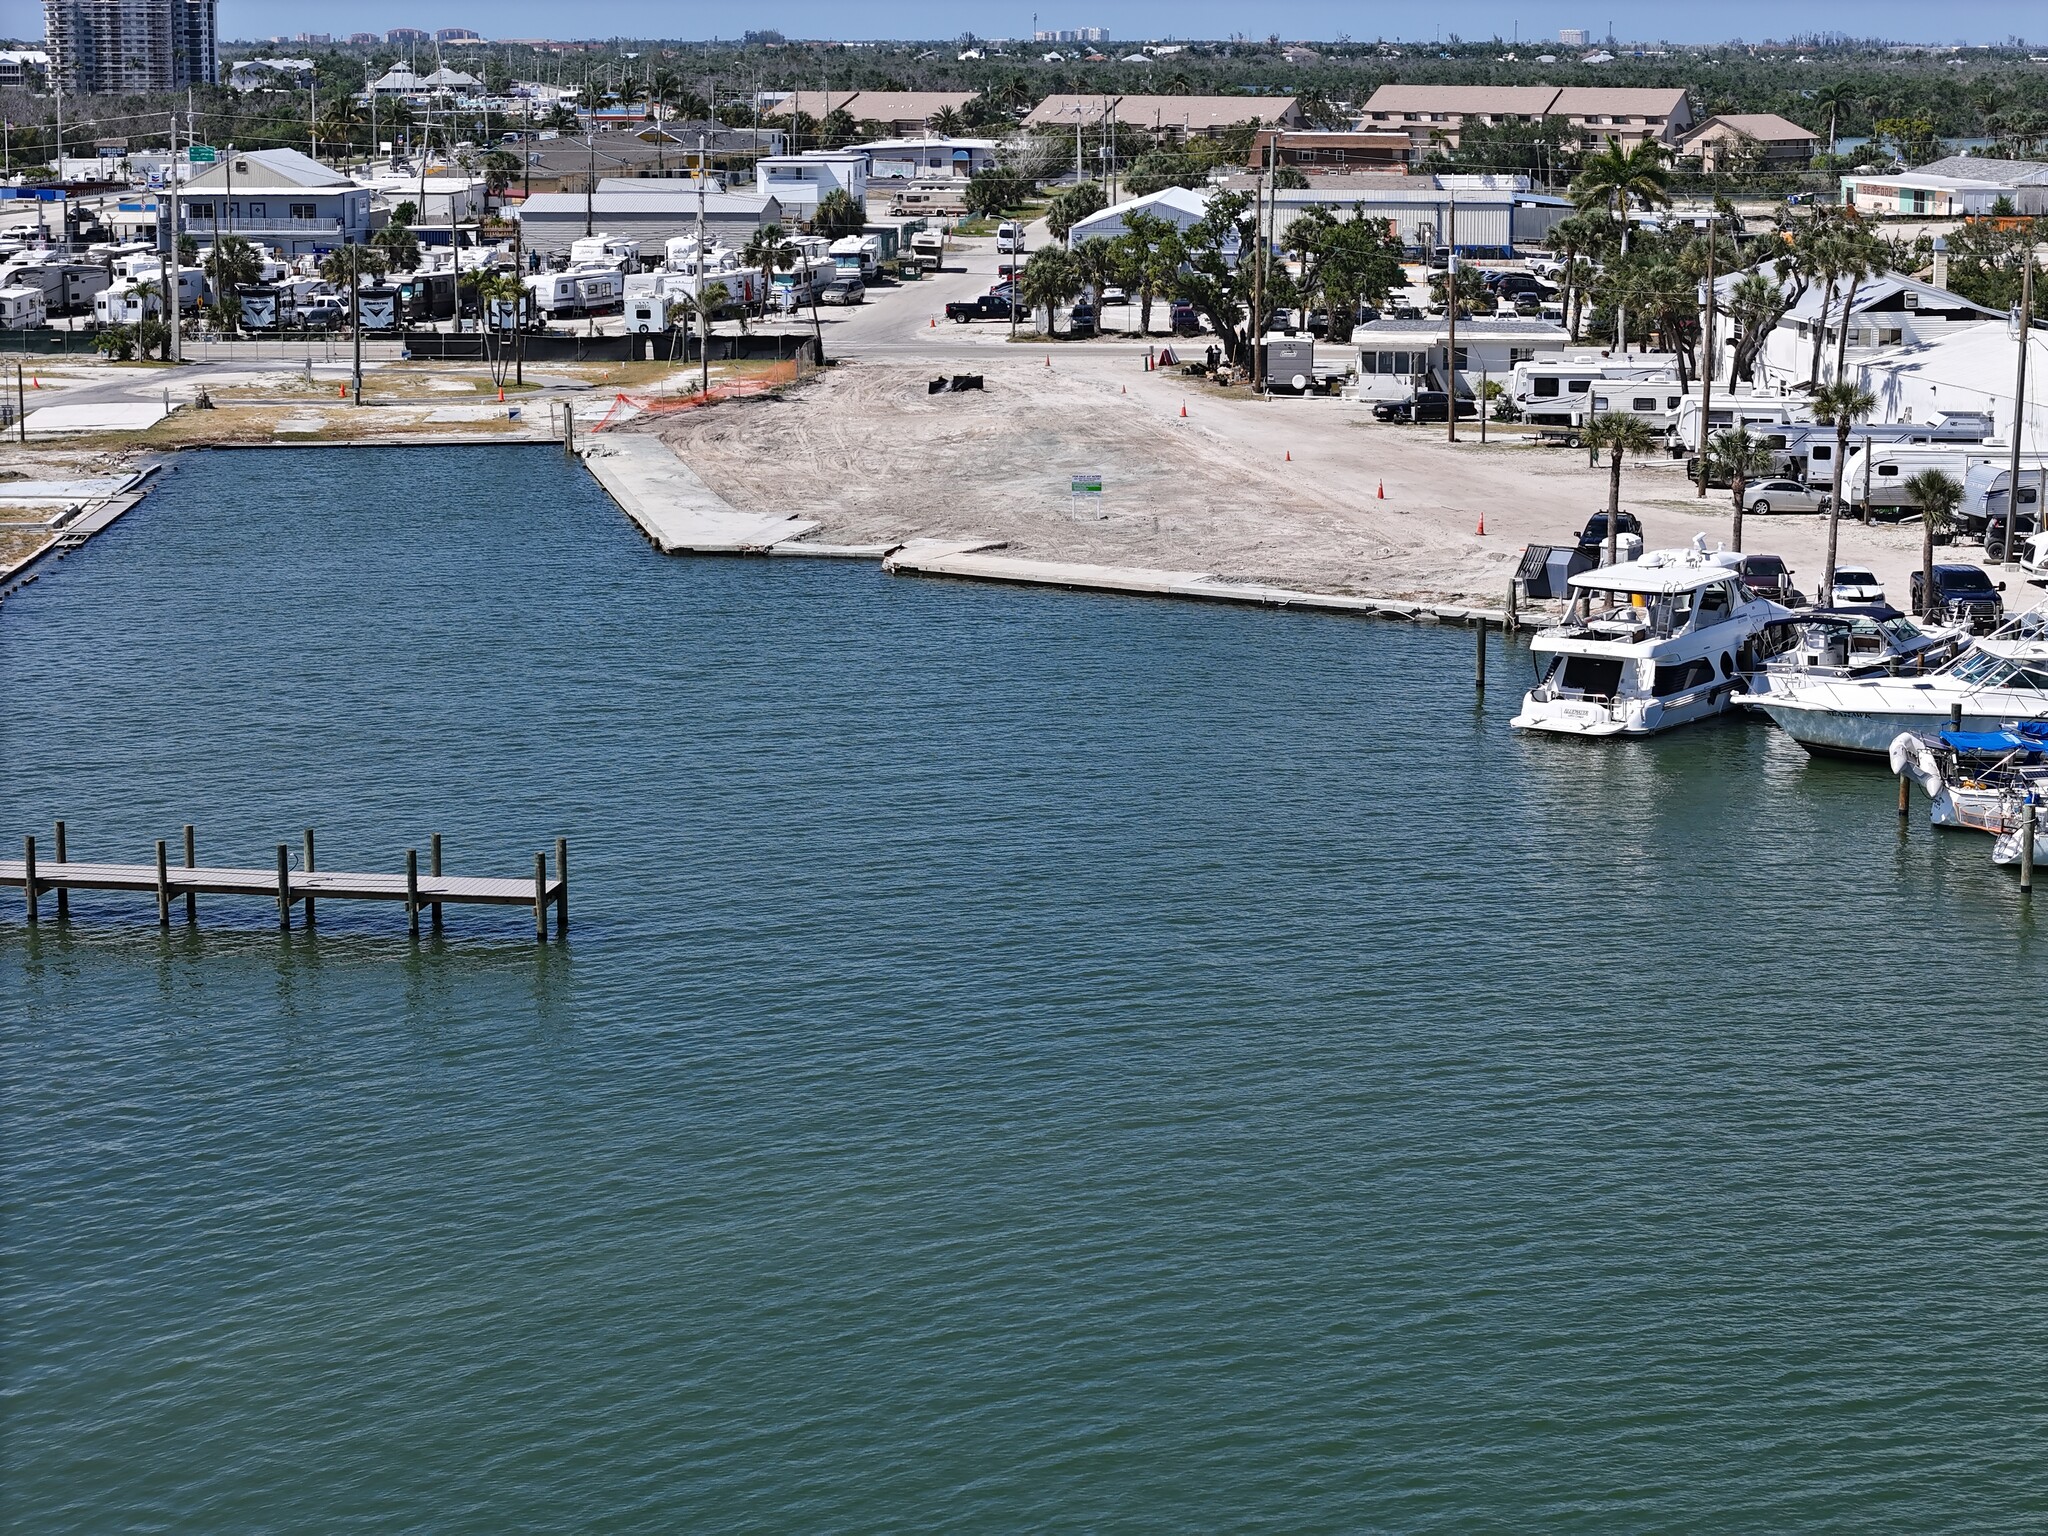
(1937, 497)
(1617, 177)
(1831, 99)
(1146, 240)
(401, 247)
(346, 267)
(947, 123)
(495, 288)
(1620, 433)
(1860, 256)
(838, 215)
(769, 249)
(1050, 278)
(1740, 457)
(1839, 405)
(1756, 304)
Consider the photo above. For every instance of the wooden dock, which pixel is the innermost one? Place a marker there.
(286, 886)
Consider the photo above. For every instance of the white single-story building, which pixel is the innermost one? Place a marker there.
(279, 198)
(1965, 370)
(1950, 188)
(1890, 312)
(918, 159)
(1398, 357)
(466, 193)
(798, 182)
(1182, 207)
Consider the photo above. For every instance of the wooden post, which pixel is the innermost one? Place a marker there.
(2029, 821)
(540, 896)
(1514, 614)
(1905, 797)
(63, 895)
(434, 868)
(28, 858)
(561, 886)
(1955, 714)
(191, 862)
(412, 891)
(309, 867)
(163, 884)
(1479, 673)
(284, 890)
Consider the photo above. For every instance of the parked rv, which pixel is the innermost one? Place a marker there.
(856, 256)
(1564, 392)
(377, 307)
(21, 309)
(928, 249)
(612, 251)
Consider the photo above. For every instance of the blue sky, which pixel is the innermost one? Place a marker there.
(1975, 21)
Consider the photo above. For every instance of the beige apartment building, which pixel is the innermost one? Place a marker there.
(1432, 113)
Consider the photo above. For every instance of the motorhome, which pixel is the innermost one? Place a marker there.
(613, 251)
(21, 309)
(1565, 392)
(928, 249)
(260, 308)
(424, 297)
(857, 256)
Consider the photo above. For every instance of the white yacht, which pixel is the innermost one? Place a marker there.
(2001, 680)
(1648, 644)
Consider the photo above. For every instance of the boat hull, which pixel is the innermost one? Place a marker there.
(1866, 733)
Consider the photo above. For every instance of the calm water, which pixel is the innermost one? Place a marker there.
(1021, 1061)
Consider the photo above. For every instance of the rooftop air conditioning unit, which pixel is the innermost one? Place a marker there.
(1912, 301)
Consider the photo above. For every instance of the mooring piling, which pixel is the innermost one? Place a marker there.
(412, 892)
(163, 884)
(28, 861)
(63, 896)
(2029, 823)
(1479, 668)
(540, 896)
(1905, 797)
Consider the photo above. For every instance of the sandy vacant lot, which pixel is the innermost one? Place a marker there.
(1284, 490)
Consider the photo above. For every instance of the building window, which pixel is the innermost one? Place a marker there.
(305, 211)
(1527, 355)
(200, 211)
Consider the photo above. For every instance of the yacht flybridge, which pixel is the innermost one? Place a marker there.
(1648, 644)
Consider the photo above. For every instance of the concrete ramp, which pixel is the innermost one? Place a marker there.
(678, 512)
(100, 416)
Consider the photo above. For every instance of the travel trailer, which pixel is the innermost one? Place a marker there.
(1565, 392)
(21, 309)
(612, 251)
(377, 307)
(577, 293)
(1874, 477)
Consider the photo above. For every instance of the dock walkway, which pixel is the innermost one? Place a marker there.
(289, 887)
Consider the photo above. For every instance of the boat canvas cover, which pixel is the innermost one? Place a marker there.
(2029, 736)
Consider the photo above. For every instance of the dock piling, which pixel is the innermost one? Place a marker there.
(284, 890)
(561, 886)
(1479, 670)
(434, 869)
(309, 870)
(540, 896)
(1955, 717)
(163, 884)
(28, 884)
(412, 891)
(63, 894)
(191, 862)
(1905, 797)
(2029, 821)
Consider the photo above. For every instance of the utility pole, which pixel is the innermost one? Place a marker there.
(174, 266)
(1255, 327)
(590, 181)
(1707, 364)
(1451, 309)
(703, 271)
(355, 316)
(2019, 409)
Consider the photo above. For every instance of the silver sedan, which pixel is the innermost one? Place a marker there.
(1770, 496)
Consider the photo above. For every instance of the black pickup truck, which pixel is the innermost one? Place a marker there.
(990, 306)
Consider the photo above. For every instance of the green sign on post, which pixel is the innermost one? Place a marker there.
(202, 154)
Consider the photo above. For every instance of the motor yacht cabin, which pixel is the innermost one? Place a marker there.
(1649, 644)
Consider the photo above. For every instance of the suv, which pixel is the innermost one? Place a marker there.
(1594, 534)
(1963, 595)
(1995, 536)
(1423, 405)
(1769, 576)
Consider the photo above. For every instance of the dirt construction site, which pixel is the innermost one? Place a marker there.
(1306, 493)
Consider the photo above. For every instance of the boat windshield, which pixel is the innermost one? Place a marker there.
(1984, 669)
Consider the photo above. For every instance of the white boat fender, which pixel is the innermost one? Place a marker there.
(1912, 758)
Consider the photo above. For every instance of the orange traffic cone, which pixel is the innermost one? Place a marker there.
(501, 395)
(935, 322)
(1290, 455)
(39, 383)
(1123, 390)
(1048, 359)
(1482, 525)
(1183, 412)
(341, 391)
(1383, 491)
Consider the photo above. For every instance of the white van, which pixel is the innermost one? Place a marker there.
(1009, 238)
